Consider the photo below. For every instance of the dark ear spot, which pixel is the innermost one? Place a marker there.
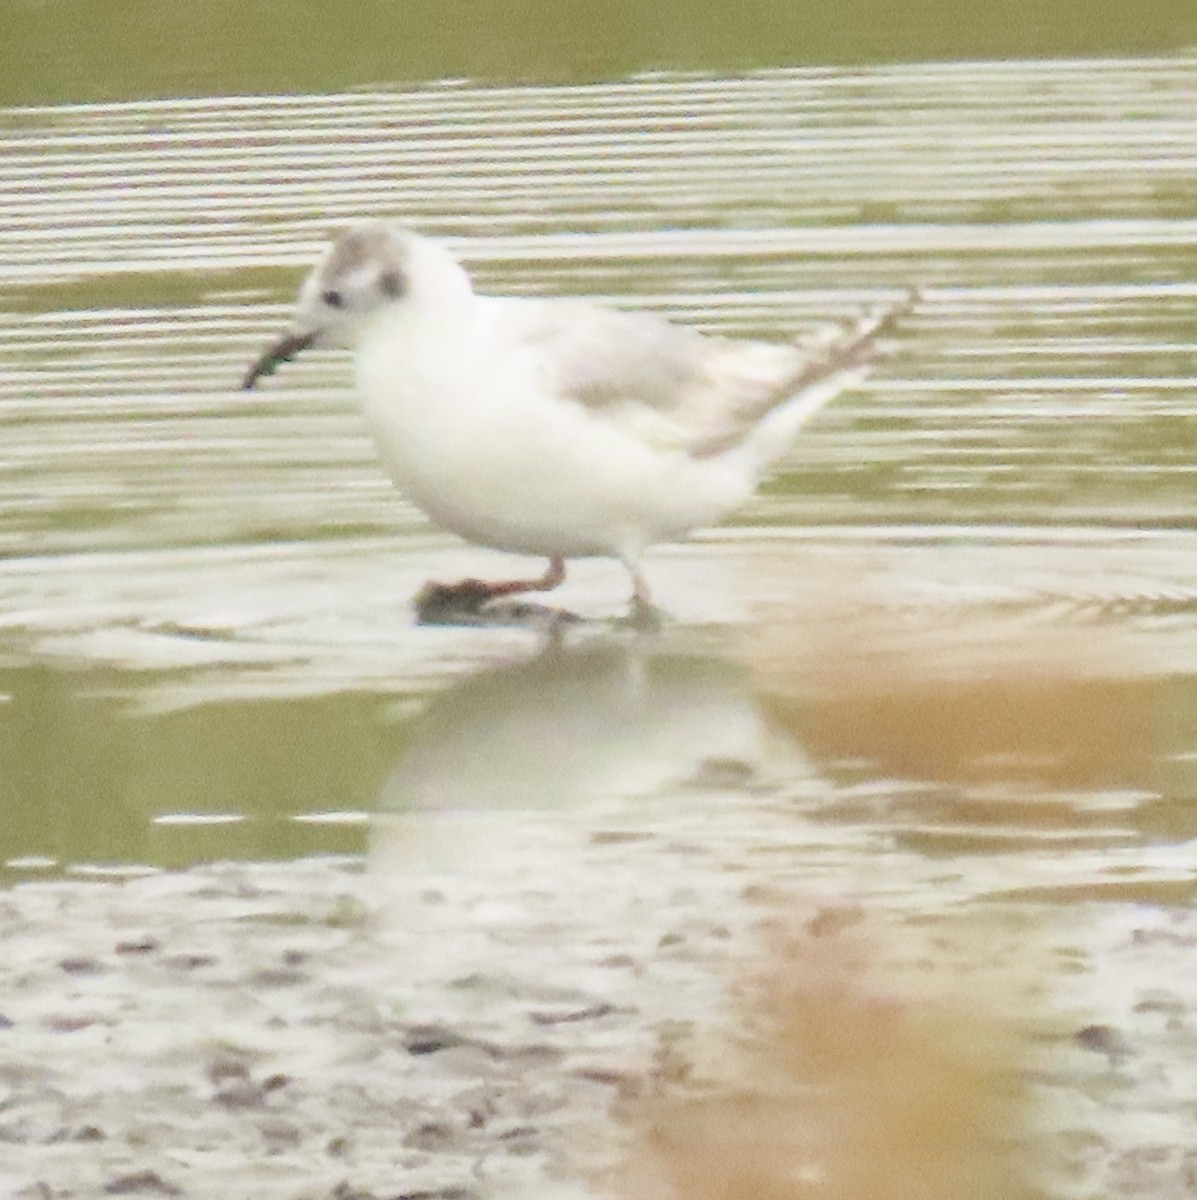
(392, 283)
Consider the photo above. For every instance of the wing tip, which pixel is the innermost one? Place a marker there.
(884, 317)
(857, 342)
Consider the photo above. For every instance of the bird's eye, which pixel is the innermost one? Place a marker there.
(332, 298)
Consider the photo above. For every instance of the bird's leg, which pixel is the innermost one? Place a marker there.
(641, 594)
(469, 595)
(643, 613)
(553, 577)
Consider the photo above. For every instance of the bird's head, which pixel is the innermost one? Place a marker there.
(371, 267)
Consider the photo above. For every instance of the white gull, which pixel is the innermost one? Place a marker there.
(556, 427)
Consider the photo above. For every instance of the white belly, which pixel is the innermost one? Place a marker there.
(520, 471)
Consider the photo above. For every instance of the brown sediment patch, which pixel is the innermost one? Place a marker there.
(959, 696)
(849, 1075)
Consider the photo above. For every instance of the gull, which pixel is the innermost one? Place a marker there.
(556, 427)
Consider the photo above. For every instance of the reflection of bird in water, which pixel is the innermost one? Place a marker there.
(556, 427)
(571, 728)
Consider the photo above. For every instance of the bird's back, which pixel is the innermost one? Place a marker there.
(667, 385)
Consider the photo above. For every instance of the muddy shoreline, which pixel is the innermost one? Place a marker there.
(349, 1029)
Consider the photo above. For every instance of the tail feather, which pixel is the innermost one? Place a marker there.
(853, 348)
(843, 360)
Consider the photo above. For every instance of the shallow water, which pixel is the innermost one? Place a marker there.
(207, 644)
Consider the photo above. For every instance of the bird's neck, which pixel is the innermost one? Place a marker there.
(419, 353)
(441, 309)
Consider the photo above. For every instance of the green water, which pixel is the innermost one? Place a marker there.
(77, 50)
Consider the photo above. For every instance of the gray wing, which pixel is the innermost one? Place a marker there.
(670, 386)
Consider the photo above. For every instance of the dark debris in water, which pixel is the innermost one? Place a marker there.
(141, 1183)
(447, 1193)
(145, 945)
(591, 1013)
(191, 962)
(235, 1087)
(278, 977)
(241, 1094)
(71, 1023)
(81, 966)
(429, 1039)
(1103, 1039)
(433, 608)
(346, 1191)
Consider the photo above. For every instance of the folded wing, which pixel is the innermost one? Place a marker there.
(673, 387)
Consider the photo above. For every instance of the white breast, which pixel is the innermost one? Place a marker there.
(471, 434)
